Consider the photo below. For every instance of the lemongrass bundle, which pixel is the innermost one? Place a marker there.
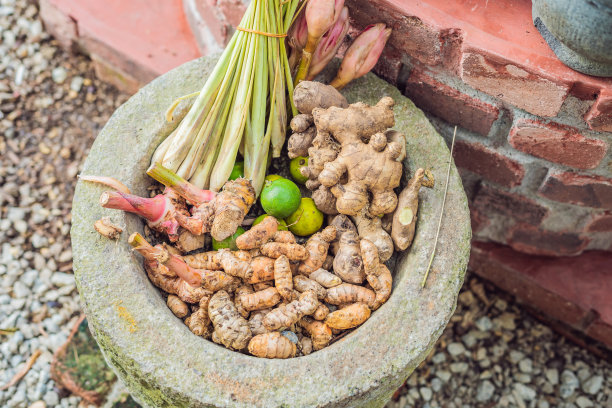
(243, 103)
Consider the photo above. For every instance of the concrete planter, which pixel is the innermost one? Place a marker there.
(163, 364)
(578, 31)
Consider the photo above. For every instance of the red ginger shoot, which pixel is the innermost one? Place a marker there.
(187, 190)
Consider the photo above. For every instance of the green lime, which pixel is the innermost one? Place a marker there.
(306, 220)
(295, 166)
(280, 198)
(282, 225)
(272, 177)
(237, 171)
(229, 242)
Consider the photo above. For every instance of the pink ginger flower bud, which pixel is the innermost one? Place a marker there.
(329, 44)
(298, 33)
(362, 55)
(321, 15)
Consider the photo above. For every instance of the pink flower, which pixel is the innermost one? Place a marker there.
(362, 55)
(329, 44)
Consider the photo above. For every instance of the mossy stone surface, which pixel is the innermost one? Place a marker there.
(164, 365)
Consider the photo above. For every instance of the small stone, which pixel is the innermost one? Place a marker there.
(469, 339)
(426, 393)
(59, 75)
(443, 375)
(526, 365)
(552, 375)
(439, 358)
(436, 384)
(526, 393)
(542, 403)
(38, 404)
(506, 321)
(38, 241)
(62, 279)
(484, 324)
(523, 378)
(76, 83)
(569, 383)
(584, 402)
(455, 349)
(593, 385)
(459, 368)
(485, 391)
(20, 290)
(515, 356)
(51, 398)
(291, 336)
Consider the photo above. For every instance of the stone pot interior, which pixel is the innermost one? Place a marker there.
(149, 347)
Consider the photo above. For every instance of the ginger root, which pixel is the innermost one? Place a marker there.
(316, 247)
(231, 329)
(348, 317)
(105, 227)
(230, 207)
(343, 224)
(199, 322)
(370, 228)
(347, 263)
(272, 345)
(405, 216)
(286, 315)
(284, 237)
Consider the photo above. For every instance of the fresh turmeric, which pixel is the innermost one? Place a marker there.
(242, 290)
(259, 300)
(348, 317)
(294, 252)
(347, 263)
(263, 269)
(316, 247)
(177, 306)
(199, 322)
(325, 278)
(405, 216)
(347, 293)
(377, 273)
(284, 316)
(258, 235)
(303, 284)
(319, 332)
(231, 329)
(272, 345)
(283, 278)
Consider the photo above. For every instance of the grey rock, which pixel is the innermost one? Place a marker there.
(552, 375)
(436, 384)
(526, 365)
(526, 393)
(515, 356)
(484, 323)
(76, 83)
(426, 393)
(20, 290)
(485, 391)
(584, 402)
(542, 403)
(59, 75)
(459, 368)
(39, 241)
(51, 398)
(569, 384)
(469, 339)
(439, 358)
(455, 349)
(443, 375)
(62, 279)
(593, 384)
(523, 378)
(583, 374)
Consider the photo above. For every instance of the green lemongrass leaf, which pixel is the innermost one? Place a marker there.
(170, 111)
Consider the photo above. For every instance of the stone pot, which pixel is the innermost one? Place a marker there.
(164, 365)
(578, 31)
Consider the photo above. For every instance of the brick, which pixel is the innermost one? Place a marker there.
(513, 84)
(232, 10)
(449, 104)
(59, 24)
(536, 241)
(556, 143)
(580, 189)
(389, 65)
(600, 223)
(522, 209)
(599, 117)
(488, 163)
(113, 75)
(479, 220)
(601, 331)
(207, 23)
(519, 274)
(411, 34)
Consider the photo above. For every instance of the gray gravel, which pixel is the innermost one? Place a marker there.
(495, 354)
(51, 108)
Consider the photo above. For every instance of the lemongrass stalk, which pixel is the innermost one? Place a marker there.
(237, 119)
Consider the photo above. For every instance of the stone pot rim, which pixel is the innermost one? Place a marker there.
(148, 346)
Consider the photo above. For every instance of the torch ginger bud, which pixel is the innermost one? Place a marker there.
(298, 33)
(362, 55)
(329, 44)
(320, 16)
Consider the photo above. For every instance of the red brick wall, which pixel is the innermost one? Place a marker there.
(533, 136)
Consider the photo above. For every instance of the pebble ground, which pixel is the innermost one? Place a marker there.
(51, 108)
